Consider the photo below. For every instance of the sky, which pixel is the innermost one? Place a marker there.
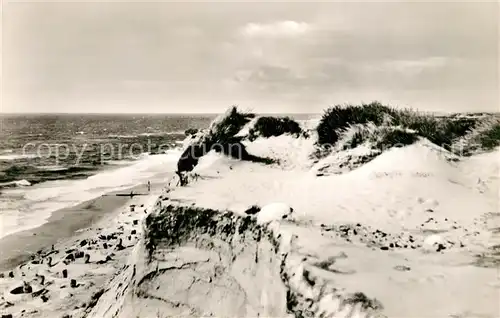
(289, 57)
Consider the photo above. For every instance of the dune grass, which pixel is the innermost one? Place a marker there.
(379, 137)
(442, 131)
(490, 138)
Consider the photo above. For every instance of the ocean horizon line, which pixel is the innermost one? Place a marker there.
(161, 114)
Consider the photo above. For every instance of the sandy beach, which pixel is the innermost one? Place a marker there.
(98, 235)
(65, 224)
(62, 224)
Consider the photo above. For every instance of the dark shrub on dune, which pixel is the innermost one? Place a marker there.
(337, 118)
(380, 137)
(274, 126)
(396, 138)
(221, 134)
(442, 131)
(191, 131)
(221, 138)
(490, 138)
(229, 125)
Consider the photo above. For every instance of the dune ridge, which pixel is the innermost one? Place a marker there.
(349, 231)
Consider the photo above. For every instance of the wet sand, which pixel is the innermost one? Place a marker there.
(18, 247)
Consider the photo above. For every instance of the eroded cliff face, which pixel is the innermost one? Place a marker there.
(198, 262)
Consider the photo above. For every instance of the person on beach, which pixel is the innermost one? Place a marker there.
(149, 186)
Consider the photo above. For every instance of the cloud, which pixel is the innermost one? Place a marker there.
(276, 29)
(414, 67)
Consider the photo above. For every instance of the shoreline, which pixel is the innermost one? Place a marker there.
(63, 224)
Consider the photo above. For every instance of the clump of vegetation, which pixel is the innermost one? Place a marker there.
(221, 138)
(484, 137)
(228, 125)
(379, 137)
(395, 138)
(254, 209)
(442, 131)
(175, 225)
(490, 138)
(338, 118)
(366, 303)
(191, 131)
(274, 126)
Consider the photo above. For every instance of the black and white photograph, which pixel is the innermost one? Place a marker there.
(244, 159)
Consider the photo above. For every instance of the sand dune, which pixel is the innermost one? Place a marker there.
(413, 232)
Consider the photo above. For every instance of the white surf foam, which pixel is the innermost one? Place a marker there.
(24, 209)
(12, 157)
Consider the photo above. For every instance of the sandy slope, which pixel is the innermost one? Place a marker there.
(396, 240)
(409, 234)
(423, 228)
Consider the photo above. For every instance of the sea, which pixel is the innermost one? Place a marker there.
(52, 161)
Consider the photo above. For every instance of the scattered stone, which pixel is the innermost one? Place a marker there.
(105, 245)
(65, 273)
(42, 279)
(135, 222)
(402, 268)
(2, 275)
(120, 246)
(7, 316)
(133, 232)
(87, 258)
(429, 210)
(254, 209)
(73, 283)
(11, 274)
(44, 298)
(83, 243)
(384, 248)
(108, 258)
(440, 247)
